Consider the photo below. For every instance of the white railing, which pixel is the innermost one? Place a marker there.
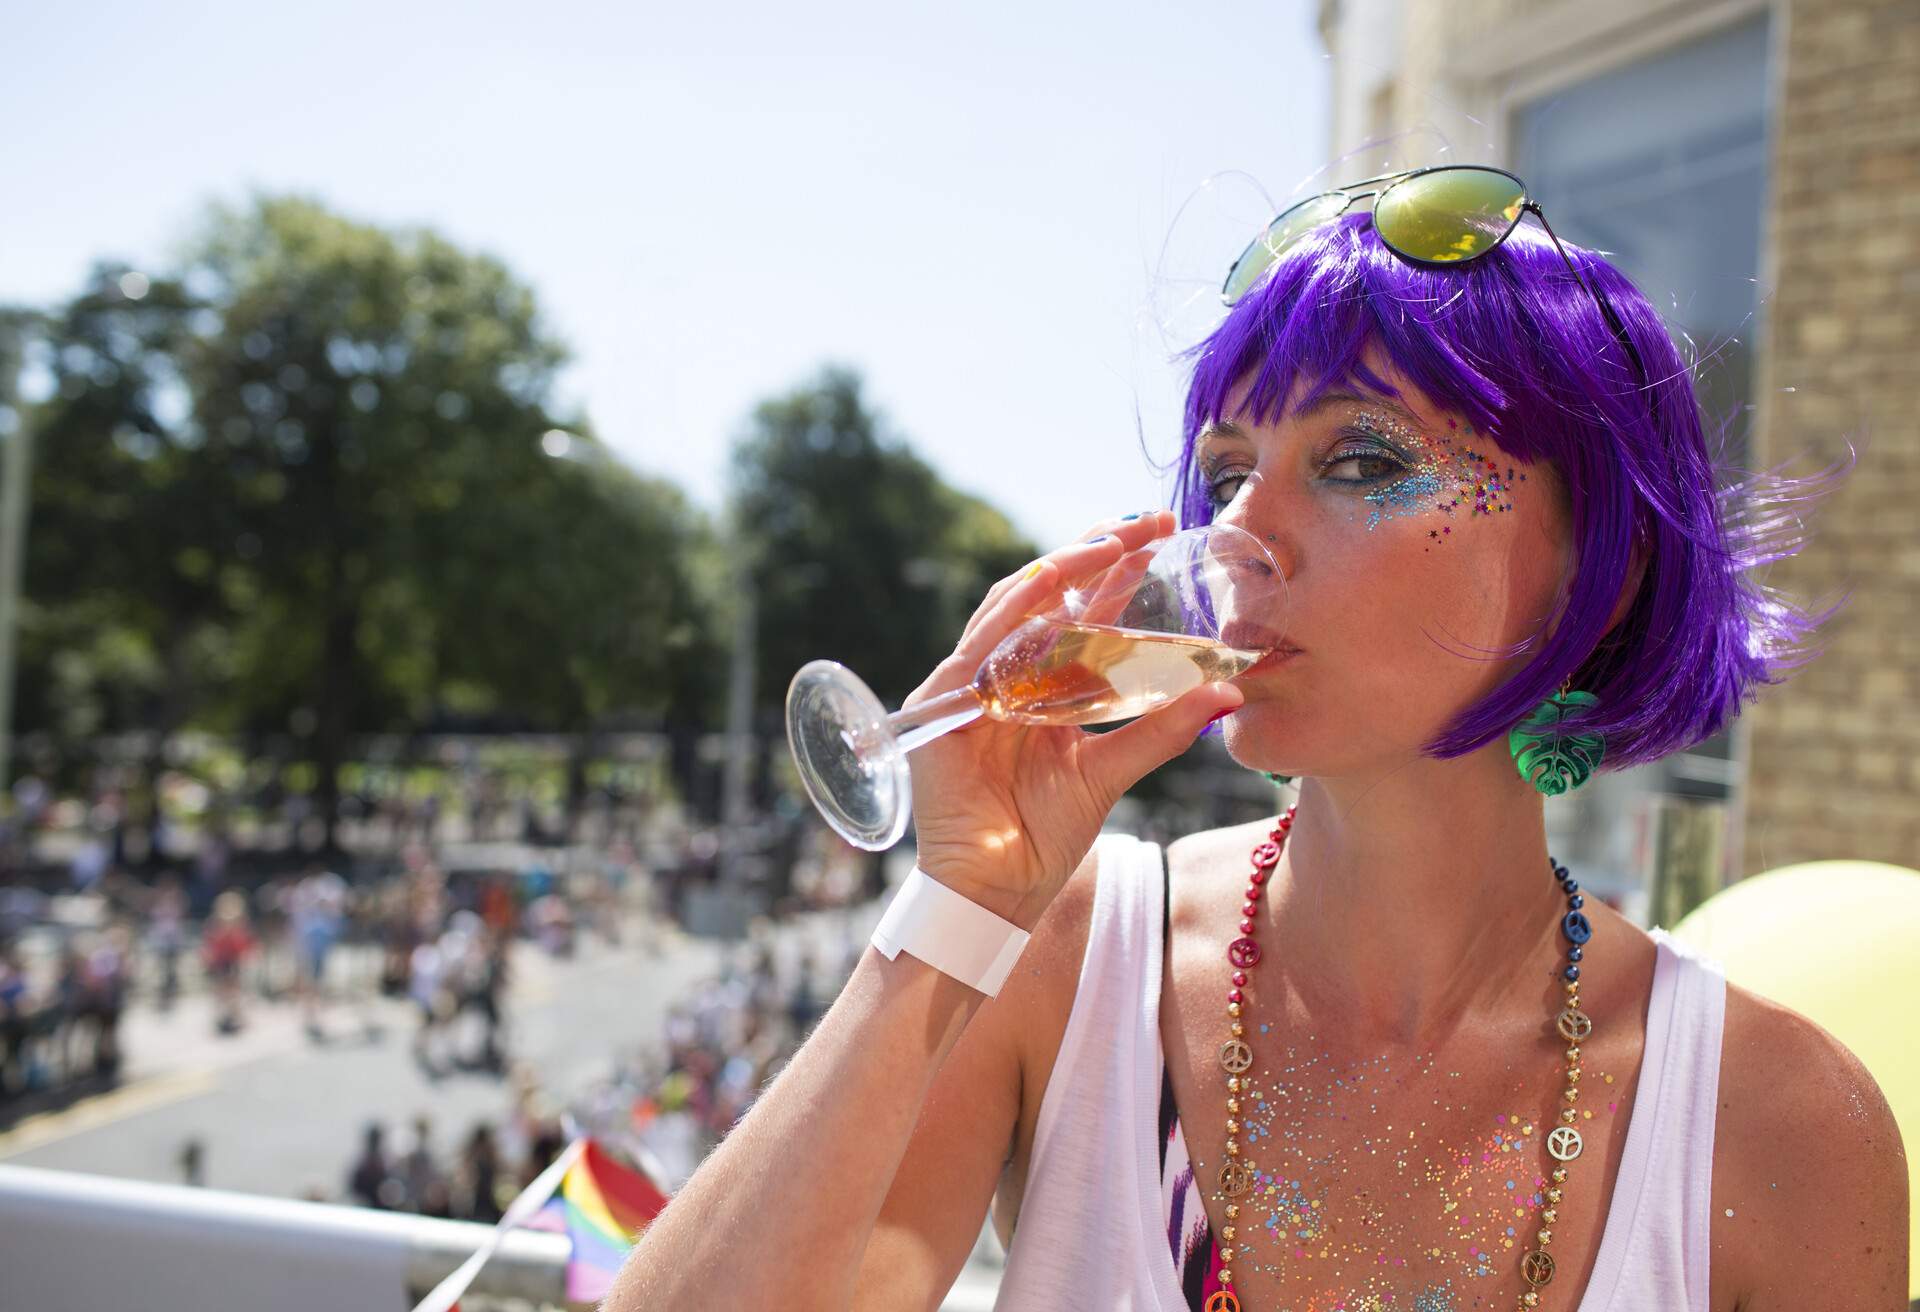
(72, 1241)
(89, 1242)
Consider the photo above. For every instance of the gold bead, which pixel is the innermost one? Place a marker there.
(1530, 1299)
(1573, 1075)
(1233, 1083)
(1239, 1030)
(1233, 1009)
(1559, 1175)
(1226, 1254)
(1573, 1053)
(1553, 1195)
(1233, 1149)
(1572, 1093)
(1546, 1237)
(1573, 988)
(1233, 1104)
(1233, 1126)
(1569, 1115)
(1226, 1276)
(1226, 1233)
(1551, 1215)
(1233, 1211)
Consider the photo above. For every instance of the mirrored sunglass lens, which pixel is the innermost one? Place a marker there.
(1280, 234)
(1452, 215)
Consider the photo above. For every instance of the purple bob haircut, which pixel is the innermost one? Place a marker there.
(1511, 342)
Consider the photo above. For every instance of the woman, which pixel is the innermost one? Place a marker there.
(1454, 1082)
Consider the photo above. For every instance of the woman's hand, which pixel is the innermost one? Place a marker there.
(1005, 812)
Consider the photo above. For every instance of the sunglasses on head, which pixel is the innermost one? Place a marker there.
(1434, 216)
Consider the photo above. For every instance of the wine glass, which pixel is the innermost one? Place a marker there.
(1185, 609)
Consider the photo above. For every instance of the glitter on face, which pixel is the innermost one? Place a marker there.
(1450, 477)
(1341, 1194)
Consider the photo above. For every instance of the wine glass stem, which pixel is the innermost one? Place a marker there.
(914, 725)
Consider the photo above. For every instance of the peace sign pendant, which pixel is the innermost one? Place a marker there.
(1564, 1143)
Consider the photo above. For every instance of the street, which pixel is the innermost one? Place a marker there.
(280, 1114)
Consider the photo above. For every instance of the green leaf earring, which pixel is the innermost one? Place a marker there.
(1549, 756)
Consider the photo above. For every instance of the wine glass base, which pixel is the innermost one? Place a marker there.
(848, 756)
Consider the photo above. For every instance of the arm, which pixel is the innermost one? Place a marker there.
(1816, 1178)
(781, 1213)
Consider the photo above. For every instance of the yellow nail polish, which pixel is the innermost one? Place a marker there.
(1034, 568)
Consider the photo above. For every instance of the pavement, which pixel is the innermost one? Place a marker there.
(280, 1114)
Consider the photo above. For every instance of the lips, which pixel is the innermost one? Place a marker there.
(1272, 660)
(1249, 636)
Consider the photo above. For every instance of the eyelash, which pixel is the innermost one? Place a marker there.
(1215, 475)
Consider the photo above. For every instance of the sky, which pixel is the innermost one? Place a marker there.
(1005, 216)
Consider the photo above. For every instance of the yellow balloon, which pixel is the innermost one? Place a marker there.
(1836, 942)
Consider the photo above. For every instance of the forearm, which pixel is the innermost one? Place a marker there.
(780, 1213)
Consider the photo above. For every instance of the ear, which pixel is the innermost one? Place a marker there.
(1636, 575)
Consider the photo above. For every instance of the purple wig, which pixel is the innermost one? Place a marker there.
(1514, 344)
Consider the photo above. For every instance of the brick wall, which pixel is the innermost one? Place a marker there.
(1834, 753)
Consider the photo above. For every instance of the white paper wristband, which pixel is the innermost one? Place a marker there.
(951, 933)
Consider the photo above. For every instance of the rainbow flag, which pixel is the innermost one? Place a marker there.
(603, 1206)
(599, 1204)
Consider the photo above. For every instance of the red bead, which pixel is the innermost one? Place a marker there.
(1246, 926)
(1249, 906)
(1239, 977)
(1233, 995)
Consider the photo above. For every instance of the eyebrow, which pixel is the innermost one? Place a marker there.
(1226, 428)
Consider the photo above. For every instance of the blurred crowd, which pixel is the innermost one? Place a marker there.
(666, 1107)
(121, 919)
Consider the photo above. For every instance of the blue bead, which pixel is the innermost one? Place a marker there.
(1574, 954)
(1576, 928)
(1572, 973)
(1576, 901)
(1572, 887)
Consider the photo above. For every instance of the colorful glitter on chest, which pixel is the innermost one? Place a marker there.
(1450, 477)
(1315, 1133)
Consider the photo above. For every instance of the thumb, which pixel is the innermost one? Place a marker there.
(1115, 761)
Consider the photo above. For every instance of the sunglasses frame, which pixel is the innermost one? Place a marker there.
(1528, 205)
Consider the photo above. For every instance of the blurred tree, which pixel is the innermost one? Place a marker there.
(853, 547)
(577, 602)
(375, 394)
(131, 519)
(303, 484)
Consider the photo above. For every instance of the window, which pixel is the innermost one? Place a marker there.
(1662, 164)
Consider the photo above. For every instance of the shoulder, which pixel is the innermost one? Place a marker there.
(1208, 851)
(1809, 1161)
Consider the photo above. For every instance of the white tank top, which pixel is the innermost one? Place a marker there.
(1092, 1229)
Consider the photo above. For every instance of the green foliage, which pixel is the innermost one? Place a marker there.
(853, 546)
(300, 480)
(312, 477)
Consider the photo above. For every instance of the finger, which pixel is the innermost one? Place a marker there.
(1115, 761)
(1074, 562)
(1049, 576)
(1127, 528)
(1028, 591)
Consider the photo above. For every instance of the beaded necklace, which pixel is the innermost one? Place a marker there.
(1236, 1058)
